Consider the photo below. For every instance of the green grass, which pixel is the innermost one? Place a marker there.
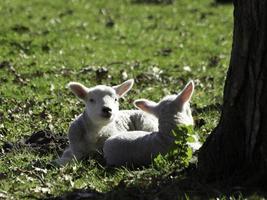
(46, 44)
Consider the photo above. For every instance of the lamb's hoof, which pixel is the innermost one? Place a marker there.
(57, 163)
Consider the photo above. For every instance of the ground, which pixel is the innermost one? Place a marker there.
(46, 44)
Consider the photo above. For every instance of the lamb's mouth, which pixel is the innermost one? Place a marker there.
(106, 115)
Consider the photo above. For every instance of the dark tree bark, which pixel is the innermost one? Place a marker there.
(224, 1)
(237, 148)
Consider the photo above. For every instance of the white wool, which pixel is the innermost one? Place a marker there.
(89, 130)
(138, 148)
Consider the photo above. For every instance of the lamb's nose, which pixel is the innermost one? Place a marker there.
(106, 111)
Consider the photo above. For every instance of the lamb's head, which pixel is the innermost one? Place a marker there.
(101, 101)
(171, 110)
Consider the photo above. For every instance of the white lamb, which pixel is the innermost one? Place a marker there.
(138, 148)
(101, 119)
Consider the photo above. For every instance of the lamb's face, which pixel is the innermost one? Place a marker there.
(173, 109)
(101, 101)
(101, 104)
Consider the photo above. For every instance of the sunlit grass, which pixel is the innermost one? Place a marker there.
(46, 44)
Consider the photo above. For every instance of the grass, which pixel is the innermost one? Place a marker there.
(46, 44)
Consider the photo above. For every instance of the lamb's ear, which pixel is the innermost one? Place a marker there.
(186, 93)
(123, 88)
(146, 105)
(78, 89)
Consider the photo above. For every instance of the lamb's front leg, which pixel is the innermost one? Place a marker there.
(66, 157)
(71, 154)
(80, 144)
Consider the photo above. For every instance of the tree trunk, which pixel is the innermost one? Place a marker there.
(237, 148)
(224, 1)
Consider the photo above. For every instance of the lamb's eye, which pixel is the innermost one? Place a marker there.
(116, 99)
(91, 100)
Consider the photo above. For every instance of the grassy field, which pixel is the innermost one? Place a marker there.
(46, 44)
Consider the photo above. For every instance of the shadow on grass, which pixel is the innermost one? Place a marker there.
(183, 189)
(186, 186)
(166, 190)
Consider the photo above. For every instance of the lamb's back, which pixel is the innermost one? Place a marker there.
(135, 148)
(136, 120)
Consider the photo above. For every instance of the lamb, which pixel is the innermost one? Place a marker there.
(100, 119)
(138, 148)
